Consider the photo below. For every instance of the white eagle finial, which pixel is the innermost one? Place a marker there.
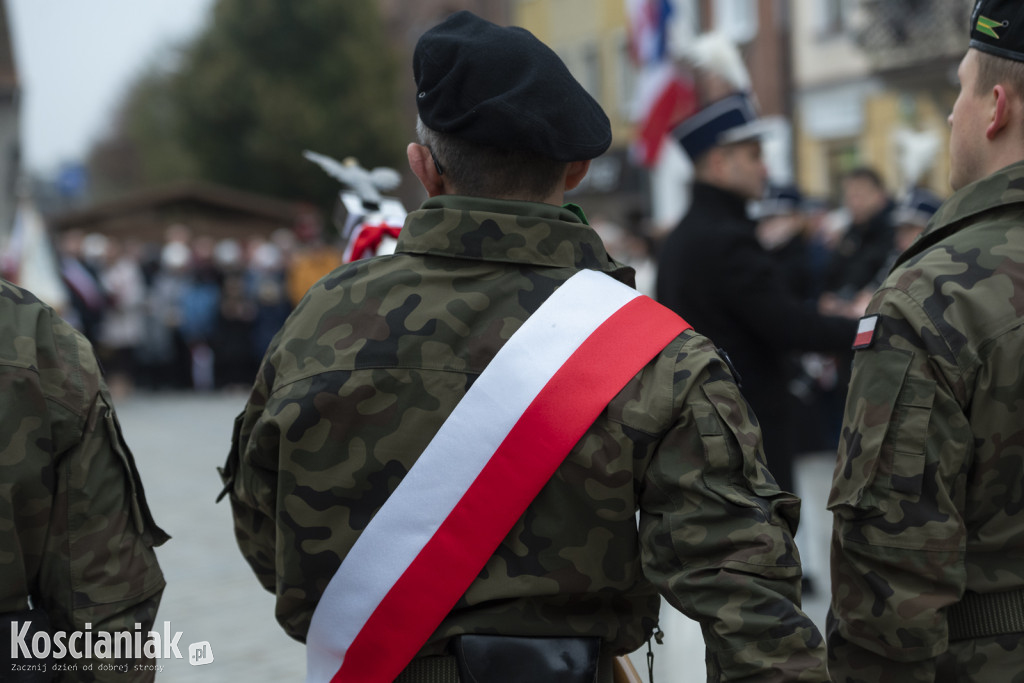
(367, 185)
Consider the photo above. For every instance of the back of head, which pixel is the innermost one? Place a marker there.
(997, 34)
(986, 122)
(484, 171)
(500, 110)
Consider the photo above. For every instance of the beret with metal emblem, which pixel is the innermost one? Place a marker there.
(502, 87)
(997, 27)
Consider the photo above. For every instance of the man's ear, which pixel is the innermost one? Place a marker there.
(422, 166)
(1000, 112)
(575, 173)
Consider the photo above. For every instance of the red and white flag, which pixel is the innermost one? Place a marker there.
(865, 332)
(663, 96)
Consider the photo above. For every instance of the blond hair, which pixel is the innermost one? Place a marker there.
(993, 71)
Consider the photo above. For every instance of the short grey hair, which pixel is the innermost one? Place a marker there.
(483, 171)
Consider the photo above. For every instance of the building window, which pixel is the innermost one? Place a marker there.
(737, 19)
(832, 17)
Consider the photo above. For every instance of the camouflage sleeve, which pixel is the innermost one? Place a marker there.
(250, 479)
(77, 536)
(898, 539)
(717, 533)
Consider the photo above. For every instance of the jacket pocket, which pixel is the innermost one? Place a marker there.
(913, 412)
(141, 514)
(732, 448)
(885, 430)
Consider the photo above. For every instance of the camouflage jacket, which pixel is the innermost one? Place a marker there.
(928, 493)
(76, 535)
(378, 354)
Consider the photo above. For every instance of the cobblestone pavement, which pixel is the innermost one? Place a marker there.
(212, 595)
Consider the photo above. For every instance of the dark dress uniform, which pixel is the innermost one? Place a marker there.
(714, 273)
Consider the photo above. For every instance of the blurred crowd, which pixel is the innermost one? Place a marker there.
(190, 312)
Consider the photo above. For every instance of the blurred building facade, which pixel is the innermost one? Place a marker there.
(836, 77)
(864, 69)
(592, 37)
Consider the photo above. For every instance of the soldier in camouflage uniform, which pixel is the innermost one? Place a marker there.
(381, 350)
(928, 494)
(76, 535)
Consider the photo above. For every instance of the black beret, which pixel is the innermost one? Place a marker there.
(502, 87)
(997, 27)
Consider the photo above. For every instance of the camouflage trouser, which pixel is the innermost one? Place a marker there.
(996, 658)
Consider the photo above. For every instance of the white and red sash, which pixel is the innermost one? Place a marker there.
(488, 461)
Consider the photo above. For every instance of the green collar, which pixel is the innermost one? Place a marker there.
(506, 231)
(1002, 188)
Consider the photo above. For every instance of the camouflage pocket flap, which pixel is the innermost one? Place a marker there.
(909, 435)
(913, 411)
(141, 514)
(878, 381)
(731, 445)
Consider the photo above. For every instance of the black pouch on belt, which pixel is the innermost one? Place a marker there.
(513, 659)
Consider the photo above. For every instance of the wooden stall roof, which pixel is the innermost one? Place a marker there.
(206, 209)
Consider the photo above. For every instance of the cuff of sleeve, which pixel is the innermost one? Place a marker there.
(799, 656)
(850, 664)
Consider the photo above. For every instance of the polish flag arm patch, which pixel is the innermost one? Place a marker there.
(865, 332)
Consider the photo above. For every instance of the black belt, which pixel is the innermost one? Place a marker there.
(981, 615)
(441, 669)
(445, 669)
